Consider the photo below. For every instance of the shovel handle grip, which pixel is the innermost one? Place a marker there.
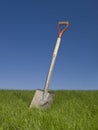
(61, 32)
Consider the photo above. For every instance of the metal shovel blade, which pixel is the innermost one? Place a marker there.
(38, 102)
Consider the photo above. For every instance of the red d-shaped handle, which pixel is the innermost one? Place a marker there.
(61, 32)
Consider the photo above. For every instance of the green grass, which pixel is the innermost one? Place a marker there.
(71, 110)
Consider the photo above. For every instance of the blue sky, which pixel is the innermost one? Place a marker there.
(28, 32)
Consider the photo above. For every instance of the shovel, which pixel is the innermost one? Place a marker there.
(44, 98)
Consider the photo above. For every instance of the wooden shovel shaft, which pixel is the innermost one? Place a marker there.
(55, 52)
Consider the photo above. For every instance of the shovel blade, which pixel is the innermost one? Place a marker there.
(38, 102)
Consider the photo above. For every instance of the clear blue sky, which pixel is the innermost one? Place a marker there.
(28, 32)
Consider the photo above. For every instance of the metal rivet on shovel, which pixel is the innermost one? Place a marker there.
(44, 98)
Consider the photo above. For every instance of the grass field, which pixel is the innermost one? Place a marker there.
(71, 110)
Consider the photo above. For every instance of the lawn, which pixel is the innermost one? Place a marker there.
(71, 110)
